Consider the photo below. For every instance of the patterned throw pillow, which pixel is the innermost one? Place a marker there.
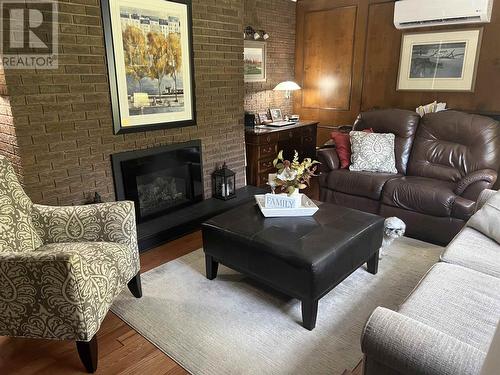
(343, 147)
(17, 233)
(373, 152)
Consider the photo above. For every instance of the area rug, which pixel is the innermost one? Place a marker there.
(233, 325)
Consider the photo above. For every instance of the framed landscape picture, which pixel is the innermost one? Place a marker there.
(439, 61)
(149, 50)
(255, 61)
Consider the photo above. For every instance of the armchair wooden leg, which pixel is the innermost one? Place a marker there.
(88, 353)
(135, 286)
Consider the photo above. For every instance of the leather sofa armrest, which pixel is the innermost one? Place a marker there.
(329, 159)
(411, 347)
(328, 144)
(463, 208)
(471, 185)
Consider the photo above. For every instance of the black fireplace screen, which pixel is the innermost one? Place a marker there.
(162, 190)
(159, 180)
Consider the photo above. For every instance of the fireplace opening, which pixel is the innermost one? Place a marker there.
(159, 180)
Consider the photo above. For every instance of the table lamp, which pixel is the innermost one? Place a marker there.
(287, 87)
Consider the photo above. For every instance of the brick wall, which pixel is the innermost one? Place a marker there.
(277, 18)
(63, 117)
(8, 141)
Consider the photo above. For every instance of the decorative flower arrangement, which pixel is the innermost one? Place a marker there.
(293, 176)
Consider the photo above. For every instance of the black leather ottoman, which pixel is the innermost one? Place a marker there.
(303, 257)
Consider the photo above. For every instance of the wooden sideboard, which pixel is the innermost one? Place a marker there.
(263, 144)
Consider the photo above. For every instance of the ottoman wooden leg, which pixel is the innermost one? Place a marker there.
(309, 314)
(372, 264)
(211, 267)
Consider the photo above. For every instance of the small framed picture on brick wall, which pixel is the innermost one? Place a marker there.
(255, 61)
(149, 48)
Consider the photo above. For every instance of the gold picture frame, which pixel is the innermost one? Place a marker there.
(439, 61)
(255, 61)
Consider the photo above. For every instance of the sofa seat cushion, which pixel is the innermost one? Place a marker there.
(474, 250)
(457, 301)
(362, 184)
(420, 194)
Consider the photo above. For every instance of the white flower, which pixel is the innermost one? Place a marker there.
(287, 175)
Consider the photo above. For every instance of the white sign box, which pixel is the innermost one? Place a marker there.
(280, 201)
(307, 208)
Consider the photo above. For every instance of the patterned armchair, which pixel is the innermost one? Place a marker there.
(62, 267)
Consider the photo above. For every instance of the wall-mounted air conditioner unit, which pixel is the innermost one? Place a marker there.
(424, 13)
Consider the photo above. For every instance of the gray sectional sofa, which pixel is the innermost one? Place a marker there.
(447, 324)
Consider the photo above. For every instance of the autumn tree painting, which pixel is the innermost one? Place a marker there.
(153, 62)
(152, 55)
(174, 57)
(134, 47)
(157, 54)
(149, 46)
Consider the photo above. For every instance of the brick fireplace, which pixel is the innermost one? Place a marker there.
(56, 124)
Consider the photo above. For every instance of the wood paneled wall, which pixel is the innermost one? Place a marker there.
(347, 61)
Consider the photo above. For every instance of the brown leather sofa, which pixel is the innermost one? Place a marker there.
(444, 161)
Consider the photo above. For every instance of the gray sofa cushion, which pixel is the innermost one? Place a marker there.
(396, 344)
(457, 301)
(492, 361)
(487, 219)
(474, 250)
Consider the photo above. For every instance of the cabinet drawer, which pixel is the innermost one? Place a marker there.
(308, 131)
(266, 151)
(262, 139)
(290, 134)
(265, 165)
(309, 140)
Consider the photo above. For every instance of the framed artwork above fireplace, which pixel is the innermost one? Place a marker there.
(149, 50)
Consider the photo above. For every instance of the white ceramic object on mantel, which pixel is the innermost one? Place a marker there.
(307, 208)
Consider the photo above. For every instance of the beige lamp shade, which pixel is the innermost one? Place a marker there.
(287, 86)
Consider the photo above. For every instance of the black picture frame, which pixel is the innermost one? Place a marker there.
(113, 80)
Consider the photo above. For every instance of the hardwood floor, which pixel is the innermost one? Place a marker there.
(121, 349)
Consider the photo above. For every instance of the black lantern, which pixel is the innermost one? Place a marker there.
(224, 183)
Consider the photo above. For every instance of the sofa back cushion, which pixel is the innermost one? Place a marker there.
(343, 146)
(402, 123)
(487, 219)
(17, 233)
(373, 152)
(451, 144)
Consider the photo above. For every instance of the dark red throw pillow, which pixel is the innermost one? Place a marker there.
(343, 147)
